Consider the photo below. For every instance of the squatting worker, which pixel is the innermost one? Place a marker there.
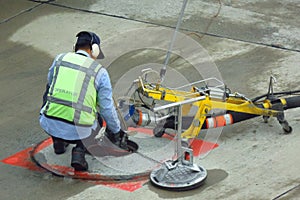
(78, 95)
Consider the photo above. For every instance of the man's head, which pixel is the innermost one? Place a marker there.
(89, 41)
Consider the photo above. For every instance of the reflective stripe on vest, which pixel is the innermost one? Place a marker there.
(72, 95)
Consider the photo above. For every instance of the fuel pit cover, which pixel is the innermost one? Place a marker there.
(106, 162)
(180, 177)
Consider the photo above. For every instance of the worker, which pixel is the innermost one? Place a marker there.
(78, 95)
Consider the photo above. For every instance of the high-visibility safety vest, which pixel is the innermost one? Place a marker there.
(72, 96)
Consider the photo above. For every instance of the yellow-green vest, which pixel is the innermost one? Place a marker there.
(72, 96)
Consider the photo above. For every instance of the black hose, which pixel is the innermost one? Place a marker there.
(292, 102)
(238, 116)
(276, 93)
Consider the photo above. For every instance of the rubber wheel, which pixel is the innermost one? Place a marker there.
(288, 131)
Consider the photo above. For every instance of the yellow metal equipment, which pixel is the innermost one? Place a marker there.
(216, 97)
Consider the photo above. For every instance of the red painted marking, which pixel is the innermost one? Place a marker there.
(141, 130)
(22, 159)
(43, 145)
(199, 146)
(128, 186)
(149, 132)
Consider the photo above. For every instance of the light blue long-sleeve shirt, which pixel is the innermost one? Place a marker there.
(107, 110)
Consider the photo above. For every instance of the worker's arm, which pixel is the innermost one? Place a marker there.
(105, 101)
(49, 80)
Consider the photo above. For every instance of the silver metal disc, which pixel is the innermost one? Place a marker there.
(181, 178)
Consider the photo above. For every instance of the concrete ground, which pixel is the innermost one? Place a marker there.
(247, 41)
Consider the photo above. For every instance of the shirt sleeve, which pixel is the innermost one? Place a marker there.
(105, 101)
(49, 80)
(51, 70)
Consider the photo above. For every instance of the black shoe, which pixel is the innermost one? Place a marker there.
(78, 161)
(60, 147)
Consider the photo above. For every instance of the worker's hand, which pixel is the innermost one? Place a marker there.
(120, 139)
(123, 139)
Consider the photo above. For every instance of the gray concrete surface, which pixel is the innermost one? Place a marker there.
(249, 41)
